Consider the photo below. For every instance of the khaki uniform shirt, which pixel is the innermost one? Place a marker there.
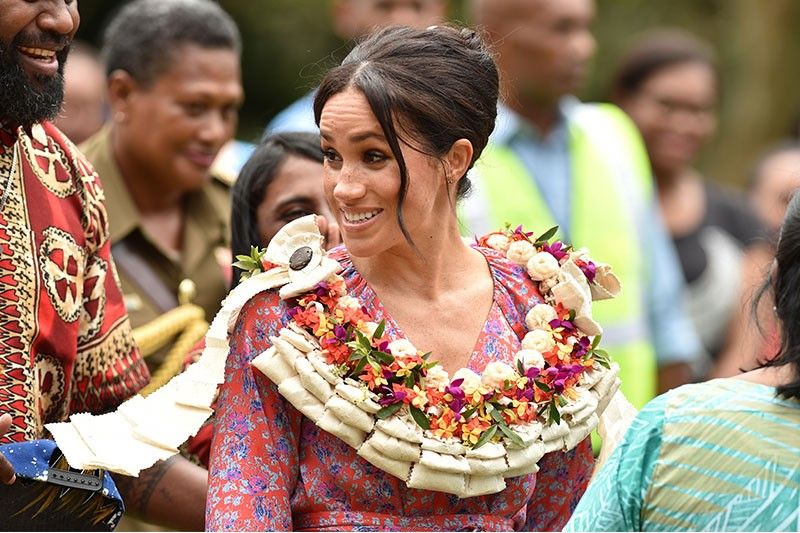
(205, 234)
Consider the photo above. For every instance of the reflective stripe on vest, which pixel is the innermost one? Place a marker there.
(610, 182)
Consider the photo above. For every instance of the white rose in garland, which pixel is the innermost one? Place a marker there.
(497, 373)
(540, 316)
(437, 377)
(529, 359)
(471, 383)
(498, 241)
(402, 348)
(539, 340)
(542, 266)
(520, 252)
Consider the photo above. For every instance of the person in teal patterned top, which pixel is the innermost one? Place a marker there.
(717, 456)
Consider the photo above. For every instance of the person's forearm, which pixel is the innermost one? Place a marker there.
(7, 475)
(171, 493)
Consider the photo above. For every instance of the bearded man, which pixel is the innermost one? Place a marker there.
(65, 340)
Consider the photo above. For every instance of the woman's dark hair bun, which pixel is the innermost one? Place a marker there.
(473, 39)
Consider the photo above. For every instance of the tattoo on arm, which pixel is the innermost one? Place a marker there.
(136, 492)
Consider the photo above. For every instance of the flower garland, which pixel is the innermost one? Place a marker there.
(473, 409)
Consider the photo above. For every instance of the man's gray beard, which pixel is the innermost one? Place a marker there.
(22, 102)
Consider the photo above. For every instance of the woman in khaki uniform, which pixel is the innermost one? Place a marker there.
(171, 114)
(174, 89)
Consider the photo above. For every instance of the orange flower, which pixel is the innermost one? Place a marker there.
(435, 396)
(373, 378)
(405, 365)
(417, 397)
(472, 430)
(444, 426)
(308, 318)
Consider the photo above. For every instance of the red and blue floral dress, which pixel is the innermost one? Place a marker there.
(273, 469)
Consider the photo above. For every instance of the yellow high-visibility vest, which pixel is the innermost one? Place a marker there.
(610, 181)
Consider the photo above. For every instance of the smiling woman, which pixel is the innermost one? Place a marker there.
(281, 182)
(402, 120)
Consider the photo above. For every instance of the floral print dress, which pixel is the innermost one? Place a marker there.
(274, 469)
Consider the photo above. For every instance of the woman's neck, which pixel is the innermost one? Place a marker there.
(437, 263)
(771, 376)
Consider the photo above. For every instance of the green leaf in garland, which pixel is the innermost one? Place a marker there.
(389, 410)
(571, 316)
(520, 368)
(542, 386)
(383, 357)
(409, 380)
(547, 235)
(426, 355)
(511, 435)
(596, 341)
(360, 366)
(363, 342)
(485, 437)
(468, 413)
(555, 416)
(419, 417)
(496, 416)
(379, 330)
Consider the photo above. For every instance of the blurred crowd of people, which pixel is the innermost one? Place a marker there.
(155, 109)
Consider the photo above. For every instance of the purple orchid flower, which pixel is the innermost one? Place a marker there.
(292, 312)
(589, 270)
(340, 333)
(559, 323)
(526, 393)
(522, 233)
(581, 348)
(556, 250)
(321, 288)
(532, 373)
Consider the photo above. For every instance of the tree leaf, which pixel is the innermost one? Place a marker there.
(419, 417)
(389, 410)
(511, 435)
(485, 437)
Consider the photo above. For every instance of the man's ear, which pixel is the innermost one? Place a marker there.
(342, 19)
(458, 159)
(122, 91)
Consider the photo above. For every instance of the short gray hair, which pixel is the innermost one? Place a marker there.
(141, 39)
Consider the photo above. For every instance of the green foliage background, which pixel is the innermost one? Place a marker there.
(289, 44)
